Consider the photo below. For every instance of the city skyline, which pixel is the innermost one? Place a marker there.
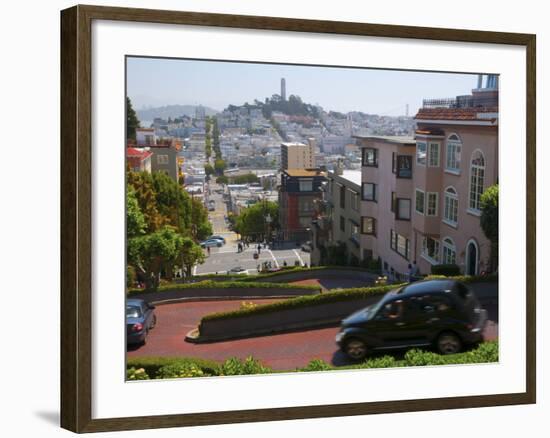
(217, 84)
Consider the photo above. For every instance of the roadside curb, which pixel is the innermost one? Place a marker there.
(219, 298)
(193, 338)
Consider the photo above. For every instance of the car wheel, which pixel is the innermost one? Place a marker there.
(449, 343)
(356, 349)
(153, 322)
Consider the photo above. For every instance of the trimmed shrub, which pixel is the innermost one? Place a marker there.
(306, 301)
(237, 367)
(136, 374)
(466, 278)
(152, 365)
(210, 284)
(180, 369)
(317, 365)
(447, 270)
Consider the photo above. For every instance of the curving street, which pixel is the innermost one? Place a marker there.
(281, 352)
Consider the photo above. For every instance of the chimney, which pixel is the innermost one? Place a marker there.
(339, 167)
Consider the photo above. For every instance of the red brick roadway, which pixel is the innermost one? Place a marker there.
(281, 352)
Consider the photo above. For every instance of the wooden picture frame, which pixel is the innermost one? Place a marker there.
(76, 217)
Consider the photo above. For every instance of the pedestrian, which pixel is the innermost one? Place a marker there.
(259, 248)
(414, 272)
(409, 273)
(208, 250)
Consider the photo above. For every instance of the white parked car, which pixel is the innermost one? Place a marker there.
(212, 243)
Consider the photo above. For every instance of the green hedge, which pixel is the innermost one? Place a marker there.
(467, 279)
(448, 270)
(335, 296)
(175, 367)
(209, 284)
(152, 365)
(291, 269)
(306, 301)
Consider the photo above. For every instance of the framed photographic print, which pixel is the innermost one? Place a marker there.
(259, 214)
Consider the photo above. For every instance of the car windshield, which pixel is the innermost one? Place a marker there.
(133, 312)
(373, 310)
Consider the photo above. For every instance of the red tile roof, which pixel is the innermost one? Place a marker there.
(453, 113)
(142, 154)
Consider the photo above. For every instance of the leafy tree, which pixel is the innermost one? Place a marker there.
(151, 253)
(489, 222)
(191, 254)
(200, 225)
(247, 178)
(142, 183)
(164, 202)
(219, 166)
(132, 121)
(252, 221)
(216, 133)
(222, 179)
(135, 220)
(208, 169)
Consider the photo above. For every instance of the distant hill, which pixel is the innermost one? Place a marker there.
(171, 111)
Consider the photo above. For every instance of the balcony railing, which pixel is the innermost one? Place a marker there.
(461, 102)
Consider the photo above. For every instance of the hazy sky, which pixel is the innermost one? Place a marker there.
(158, 82)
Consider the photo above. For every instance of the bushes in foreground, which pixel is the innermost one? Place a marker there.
(169, 368)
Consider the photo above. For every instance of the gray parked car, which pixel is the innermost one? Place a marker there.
(140, 318)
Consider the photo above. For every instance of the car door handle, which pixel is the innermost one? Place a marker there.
(399, 324)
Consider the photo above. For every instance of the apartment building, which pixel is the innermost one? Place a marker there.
(338, 220)
(165, 158)
(420, 197)
(145, 136)
(297, 156)
(138, 159)
(298, 190)
(386, 200)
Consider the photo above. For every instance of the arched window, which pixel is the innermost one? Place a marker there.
(449, 251)
(450, 213)
(454, 148)
(477, 179)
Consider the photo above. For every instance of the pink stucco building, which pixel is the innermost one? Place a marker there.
(420, 196)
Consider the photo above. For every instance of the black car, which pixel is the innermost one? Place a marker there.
(441, 313)
(140, 318)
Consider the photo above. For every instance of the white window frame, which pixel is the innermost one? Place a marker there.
(450, 198)
(437, 155)
(423, 212)
(418, 159)
(453, 141)
(476, 209)
(424, 253)
(448, 245)
(397, 209)
(436, 208)
(162, 159)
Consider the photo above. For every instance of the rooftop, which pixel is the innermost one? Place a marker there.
(304, 172)
(353, 176)
(468, 114)
(290, 144)
(395, 139)
(138, 153)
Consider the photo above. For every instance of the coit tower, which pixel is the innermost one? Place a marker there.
(283, 89)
